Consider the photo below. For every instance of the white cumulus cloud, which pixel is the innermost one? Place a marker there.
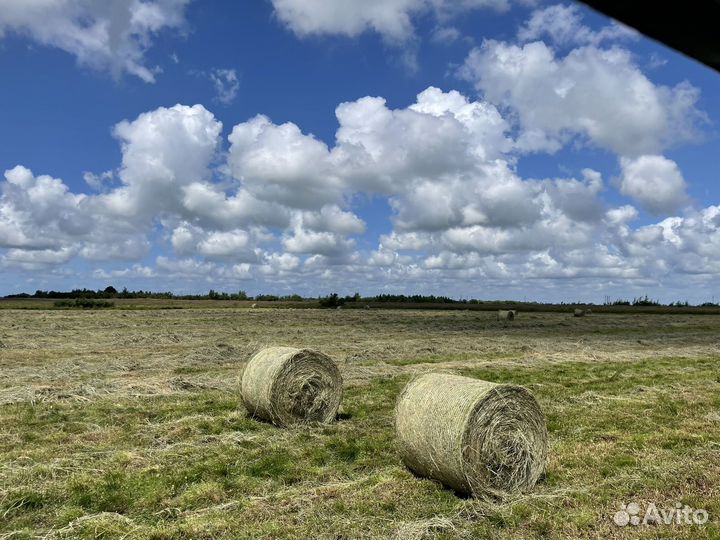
(279, 206)
(563, 25)
(102, 35)
(282, 164)
(163, 151)
(392, 19)
(226, 83)
(599, 94)
(655, 182)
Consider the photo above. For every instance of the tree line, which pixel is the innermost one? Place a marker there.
(332, 300)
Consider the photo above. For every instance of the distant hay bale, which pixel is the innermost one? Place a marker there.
(289, 386)
(588, 311)
(254, 306)
(477, 437)
(579, 313)
(506, 314)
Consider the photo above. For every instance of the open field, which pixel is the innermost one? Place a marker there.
(489, 305)
(129, 423)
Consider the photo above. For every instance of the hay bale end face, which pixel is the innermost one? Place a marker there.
(579, 313)
(289, 386)
(506, 315)
(476, 437)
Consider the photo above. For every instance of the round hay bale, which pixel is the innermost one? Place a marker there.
(289, 386)
(254, 306)
(477, 437)
(505, 315)
(579, 313)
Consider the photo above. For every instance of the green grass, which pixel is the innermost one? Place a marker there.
(187, 462)
(164, 463)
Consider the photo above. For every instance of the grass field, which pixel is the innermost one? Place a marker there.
(494, 305)
(128, 423)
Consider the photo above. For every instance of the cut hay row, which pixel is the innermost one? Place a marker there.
(477, 437)
(288, 386)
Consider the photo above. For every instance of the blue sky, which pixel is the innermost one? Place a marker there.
(523, 150)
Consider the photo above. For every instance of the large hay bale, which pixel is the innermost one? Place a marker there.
(289, 386)
(506, 314)
(579, 313)
(477, 437)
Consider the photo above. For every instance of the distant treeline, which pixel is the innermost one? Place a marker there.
(112, 292)
(108, 292)
(647, 301)
(332, 300)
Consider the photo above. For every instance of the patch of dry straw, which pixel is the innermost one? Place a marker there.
(477, 437)
(289, 386)
(426, 529)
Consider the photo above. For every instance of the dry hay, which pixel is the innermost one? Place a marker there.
(102, 525)
(579, 313)
(181, 383)
(477, 437)
(426, 529)
(506, 314)
(218, 353)
(288, 386)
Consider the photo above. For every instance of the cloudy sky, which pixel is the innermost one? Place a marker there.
(497, 149)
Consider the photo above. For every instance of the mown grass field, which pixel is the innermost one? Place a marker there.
(129, 423)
